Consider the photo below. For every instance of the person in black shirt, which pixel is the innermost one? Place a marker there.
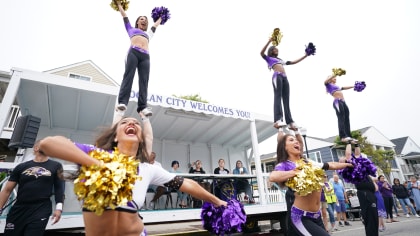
(36, 180)
(401, 192)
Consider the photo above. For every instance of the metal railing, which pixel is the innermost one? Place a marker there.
(14, 114)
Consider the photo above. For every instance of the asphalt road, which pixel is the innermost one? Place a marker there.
(405, 227)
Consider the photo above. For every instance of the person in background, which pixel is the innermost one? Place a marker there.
(380, 205)
(181, 195)
(414, 188)
(196, 168)
(37, 181)
(328, 205)
(223, 187)
(137, 59)
(341, 201)
(159, 190)
(402, 195)
(386, 191)
(243, 184)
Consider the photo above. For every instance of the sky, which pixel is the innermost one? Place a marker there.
(212, 48)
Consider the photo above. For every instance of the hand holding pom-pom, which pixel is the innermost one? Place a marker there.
(310, 49)
(359, 86)
(124, 4)
(338, 71)
(362, 168)
(223, 220)
(161, 12)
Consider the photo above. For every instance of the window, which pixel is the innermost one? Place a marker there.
(81, 77)
(315, 156)
(341, 153)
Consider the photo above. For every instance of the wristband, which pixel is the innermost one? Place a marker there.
(356, 145)
(59, 206)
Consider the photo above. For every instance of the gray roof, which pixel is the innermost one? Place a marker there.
(399, 144)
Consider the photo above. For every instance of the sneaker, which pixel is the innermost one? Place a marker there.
(346, 139)
(340, 224)
(382, 228)
(278, 124)
(147, 111)
(293, 126)
(408, 216)
(417, 215)
(121, 107)
(347, 223)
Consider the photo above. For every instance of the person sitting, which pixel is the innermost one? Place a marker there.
(223, 188)
(197, 169)
(243, 184)
(158, 190)
(181, 195)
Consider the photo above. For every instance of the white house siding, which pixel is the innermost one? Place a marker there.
(86, 70)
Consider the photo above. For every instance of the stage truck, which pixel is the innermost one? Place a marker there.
(184, 130)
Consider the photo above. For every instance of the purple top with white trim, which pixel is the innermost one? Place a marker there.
(285, 166)
(136, 31)
(271, 61)
(332, 88)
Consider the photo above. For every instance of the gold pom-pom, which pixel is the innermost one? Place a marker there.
(309, 179)
(109, 185)
(338, 71)
(124, 4)
(276, 37)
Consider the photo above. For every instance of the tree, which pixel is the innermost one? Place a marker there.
(381, 158)
(193, 97)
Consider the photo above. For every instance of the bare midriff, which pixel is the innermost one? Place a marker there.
(140, 41)
(338, 95)
(113, 223)
(279, 68)
(310, 202)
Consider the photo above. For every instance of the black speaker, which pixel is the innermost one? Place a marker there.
(25, 132)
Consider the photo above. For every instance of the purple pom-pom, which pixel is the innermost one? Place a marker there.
(359, 86)
(362, 168)
(310, 49)
(223, 220)
(161, 12)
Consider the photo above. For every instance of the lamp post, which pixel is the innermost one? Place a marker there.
(303, 133)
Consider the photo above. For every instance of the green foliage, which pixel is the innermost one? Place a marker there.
(193, 97)
(381, 158)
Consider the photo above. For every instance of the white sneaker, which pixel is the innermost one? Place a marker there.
(408, 216)
(293, 126)
(147, 111)
(417, 215)
(121, 107)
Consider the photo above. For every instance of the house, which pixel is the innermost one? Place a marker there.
(408, 156)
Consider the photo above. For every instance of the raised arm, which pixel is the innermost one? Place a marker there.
(147, 133)
(329, 79)
(123, 14)
(296, 61)
(63, 148)
(262, 53)
(300, 140)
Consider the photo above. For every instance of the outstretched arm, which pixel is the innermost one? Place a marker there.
(262, 53)
(296, 61)
(195, 190)
(63, 148)
(346, 87)
(338, 165)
